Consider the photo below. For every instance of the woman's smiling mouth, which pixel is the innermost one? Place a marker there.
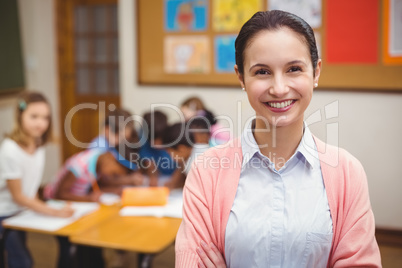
(280, 106)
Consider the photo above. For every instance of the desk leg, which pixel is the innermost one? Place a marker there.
(3, 248)
(145, 260)
(88, 257)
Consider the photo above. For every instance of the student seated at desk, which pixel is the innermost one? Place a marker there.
(200, 129)
(185, 142)
(79, 178)
(22, 160)
(118, 128)
(78, 181)
(155, 160)
(194, 107)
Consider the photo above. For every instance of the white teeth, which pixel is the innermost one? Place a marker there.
(280, 104)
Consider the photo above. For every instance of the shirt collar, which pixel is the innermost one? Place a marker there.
(307, 147)
(249, 146)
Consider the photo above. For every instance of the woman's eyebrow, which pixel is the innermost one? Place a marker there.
(296, 62)
(293, 62)
(258, 65)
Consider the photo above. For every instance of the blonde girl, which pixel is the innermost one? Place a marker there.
(22, 159)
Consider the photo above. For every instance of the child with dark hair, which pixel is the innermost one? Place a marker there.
(156, 160)
(179, 141)
(194, 107)
(75, 181)
(118, 128)
(120, 139)
(185, 142)
(108, 160)
(156, 123)
(200, 128)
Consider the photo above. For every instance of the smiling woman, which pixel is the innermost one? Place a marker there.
(286, 205)
(279, 71)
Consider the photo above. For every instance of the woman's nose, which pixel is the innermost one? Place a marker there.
(278, 87)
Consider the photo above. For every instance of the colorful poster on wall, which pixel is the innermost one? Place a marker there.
(185, 15)
(352, 31)
(225, 53)
(186, 54)
(309, 10)
(230, 15)
(393, 32)
(395, 29)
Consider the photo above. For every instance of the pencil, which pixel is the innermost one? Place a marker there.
(95, 186)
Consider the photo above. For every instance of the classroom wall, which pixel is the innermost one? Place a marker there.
(369, 123)
(37, 22)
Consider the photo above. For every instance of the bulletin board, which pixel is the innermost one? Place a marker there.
(190, 42)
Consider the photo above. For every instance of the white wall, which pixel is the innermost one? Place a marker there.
(369, 124)
(370, 128)
(37, 26)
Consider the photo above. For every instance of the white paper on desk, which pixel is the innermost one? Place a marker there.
(34, 220)
(109, 199)
(173, 209)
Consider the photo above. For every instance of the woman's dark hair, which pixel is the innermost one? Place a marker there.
(273, 20)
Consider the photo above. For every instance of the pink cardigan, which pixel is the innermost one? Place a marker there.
(211, 188)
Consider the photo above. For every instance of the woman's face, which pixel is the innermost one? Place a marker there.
(278, 76)
(35, 119)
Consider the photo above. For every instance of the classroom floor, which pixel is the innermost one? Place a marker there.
(44, 252)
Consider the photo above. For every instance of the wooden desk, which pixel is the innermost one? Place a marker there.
(77, 227)
(106, 228)
(81, 225)
(89, 221)
(146, 235)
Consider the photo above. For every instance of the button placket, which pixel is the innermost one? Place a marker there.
(277, 230)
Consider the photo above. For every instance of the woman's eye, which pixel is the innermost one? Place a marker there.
(262, 71)
(295, 69)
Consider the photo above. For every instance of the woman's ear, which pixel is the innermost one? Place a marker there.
(239, 76)
(317, 71)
